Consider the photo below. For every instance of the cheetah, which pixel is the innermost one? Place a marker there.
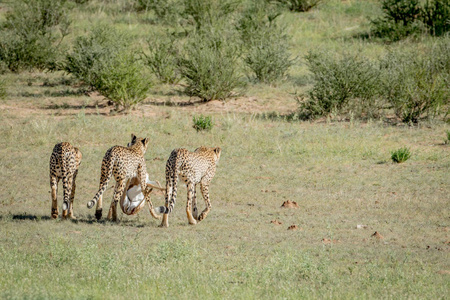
(193, 168)
(124, 163)
(64, 163)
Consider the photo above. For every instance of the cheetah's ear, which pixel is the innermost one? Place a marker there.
(217, 150)
(145, 142)
(133, 137)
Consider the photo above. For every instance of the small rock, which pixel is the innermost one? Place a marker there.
(293, 227)
(361, 226)
(289, 204)
(377, 235)
(276, 222)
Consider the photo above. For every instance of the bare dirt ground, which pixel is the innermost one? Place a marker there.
(95, 104)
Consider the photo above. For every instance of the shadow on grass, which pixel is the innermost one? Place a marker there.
(28, 217)
(79, 220)
(175, 104)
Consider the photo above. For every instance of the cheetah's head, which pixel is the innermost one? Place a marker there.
(139, 142)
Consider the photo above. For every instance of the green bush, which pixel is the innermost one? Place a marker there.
(402, 18)
(168, 11)
(207, 13)
(121, 80)
(447, 140)
(91, 53)
(257, 17)
(210, 67)
(268, 56)
(416, 86)
(202, 123)
(265, 44)
(300, 5)
(400, 155)
(162, 59)
(32, 33)
(337, 81)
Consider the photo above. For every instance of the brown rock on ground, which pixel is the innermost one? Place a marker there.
(289, 204)
(276, 222)
(329, 241)
(293, 227)
(377, 235)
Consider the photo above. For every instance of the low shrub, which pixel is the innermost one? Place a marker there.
(121, 80)
(447, 140)
(337, 80)
(91, 53)
(168, 11)
(257, 17)
(268, 56)
(265, 44)
(32, 33)
(436, 15)
(162, 59)
(207, 13)
(416, 86)
(403, 18)
(300, 5)
(210, 67)
(400, 155)
(202, 123)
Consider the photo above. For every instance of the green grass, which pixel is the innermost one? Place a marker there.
(400, 155)
(336, 172)
(339, 173)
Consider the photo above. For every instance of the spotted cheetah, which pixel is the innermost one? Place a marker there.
(124, 163)
(193, 167)
(64, 163)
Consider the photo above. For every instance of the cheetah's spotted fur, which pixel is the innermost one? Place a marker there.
(64, 162)
(124, 163)
(193, 167)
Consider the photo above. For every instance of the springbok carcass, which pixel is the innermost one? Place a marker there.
(133, 200)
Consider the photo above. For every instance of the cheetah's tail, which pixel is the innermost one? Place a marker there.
(107, 167)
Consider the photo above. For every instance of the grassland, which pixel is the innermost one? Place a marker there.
(339, 173)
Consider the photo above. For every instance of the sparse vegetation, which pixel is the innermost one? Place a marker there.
(402, 18)
(266, 44)
(122, 81)
(299, 5)
(32, 32)
(243, 250)
(92, 53)
(210, 67)
(337, 82)
(400, 155)
(202, 123)
(2, 89)
(163, 59)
